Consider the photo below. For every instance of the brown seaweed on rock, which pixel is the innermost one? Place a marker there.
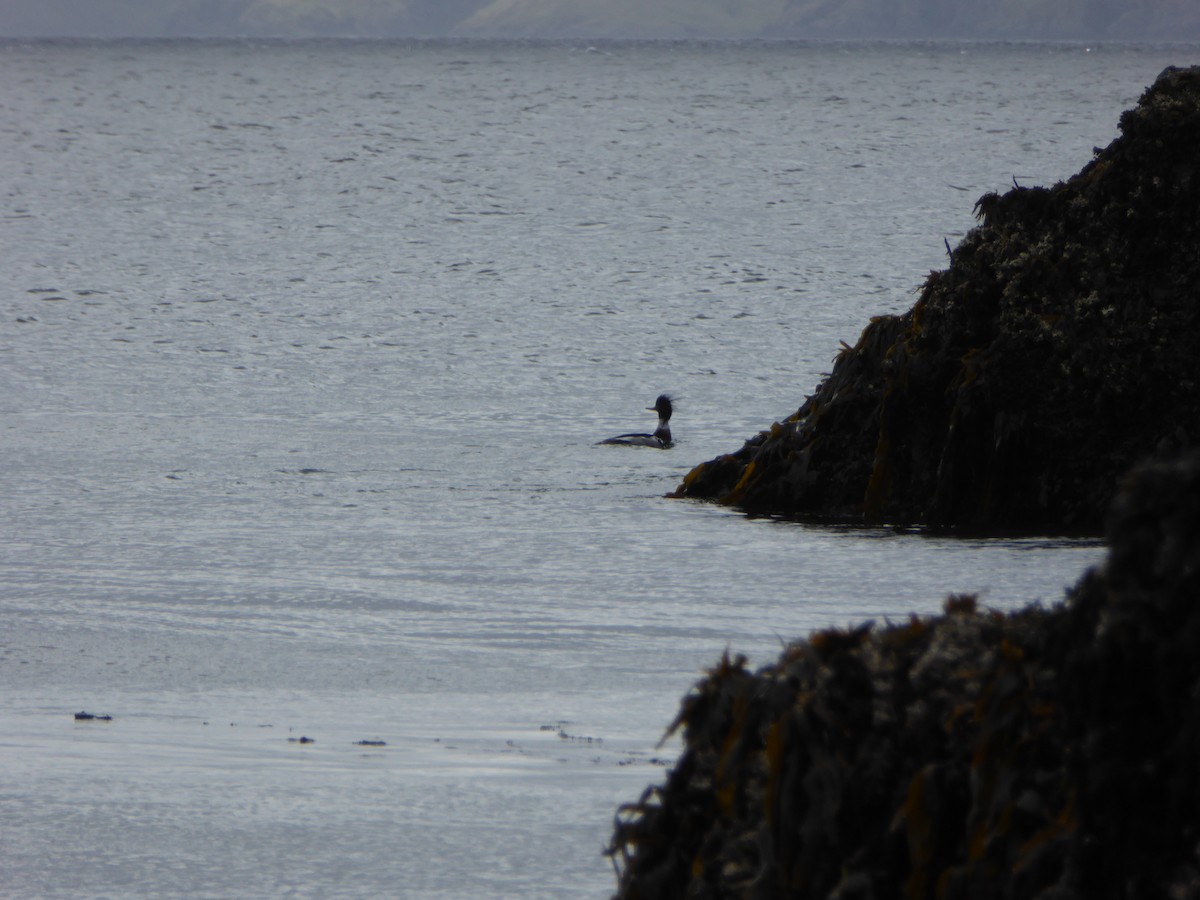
(1048, 753)
(1057, 349)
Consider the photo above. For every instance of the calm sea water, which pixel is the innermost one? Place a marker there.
(305, 350)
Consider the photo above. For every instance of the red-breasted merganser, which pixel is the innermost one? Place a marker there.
(662, 435)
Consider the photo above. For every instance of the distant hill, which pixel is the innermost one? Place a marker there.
(980, 19)
(625, 18)
(994, 19)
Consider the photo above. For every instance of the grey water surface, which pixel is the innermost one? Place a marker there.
(305, 349)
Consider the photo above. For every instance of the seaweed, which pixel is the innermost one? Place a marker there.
(1056, 350)
(1049, 752)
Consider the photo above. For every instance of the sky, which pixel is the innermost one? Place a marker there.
(986, 19)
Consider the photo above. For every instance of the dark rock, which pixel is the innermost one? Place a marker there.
(1058, 349)
(1049, 753)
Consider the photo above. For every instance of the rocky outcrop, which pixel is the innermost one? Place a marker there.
(1058, 348)
(1050, 753)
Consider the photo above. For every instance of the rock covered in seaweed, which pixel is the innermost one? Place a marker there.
(1049, 753)
(1057, 349)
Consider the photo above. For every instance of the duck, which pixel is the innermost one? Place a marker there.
(661, 439)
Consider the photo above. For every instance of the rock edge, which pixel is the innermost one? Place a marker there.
(1049, 753)
(1056, 350)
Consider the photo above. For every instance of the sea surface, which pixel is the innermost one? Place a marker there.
(305, 349)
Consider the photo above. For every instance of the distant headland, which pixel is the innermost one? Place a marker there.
(1082, 20)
